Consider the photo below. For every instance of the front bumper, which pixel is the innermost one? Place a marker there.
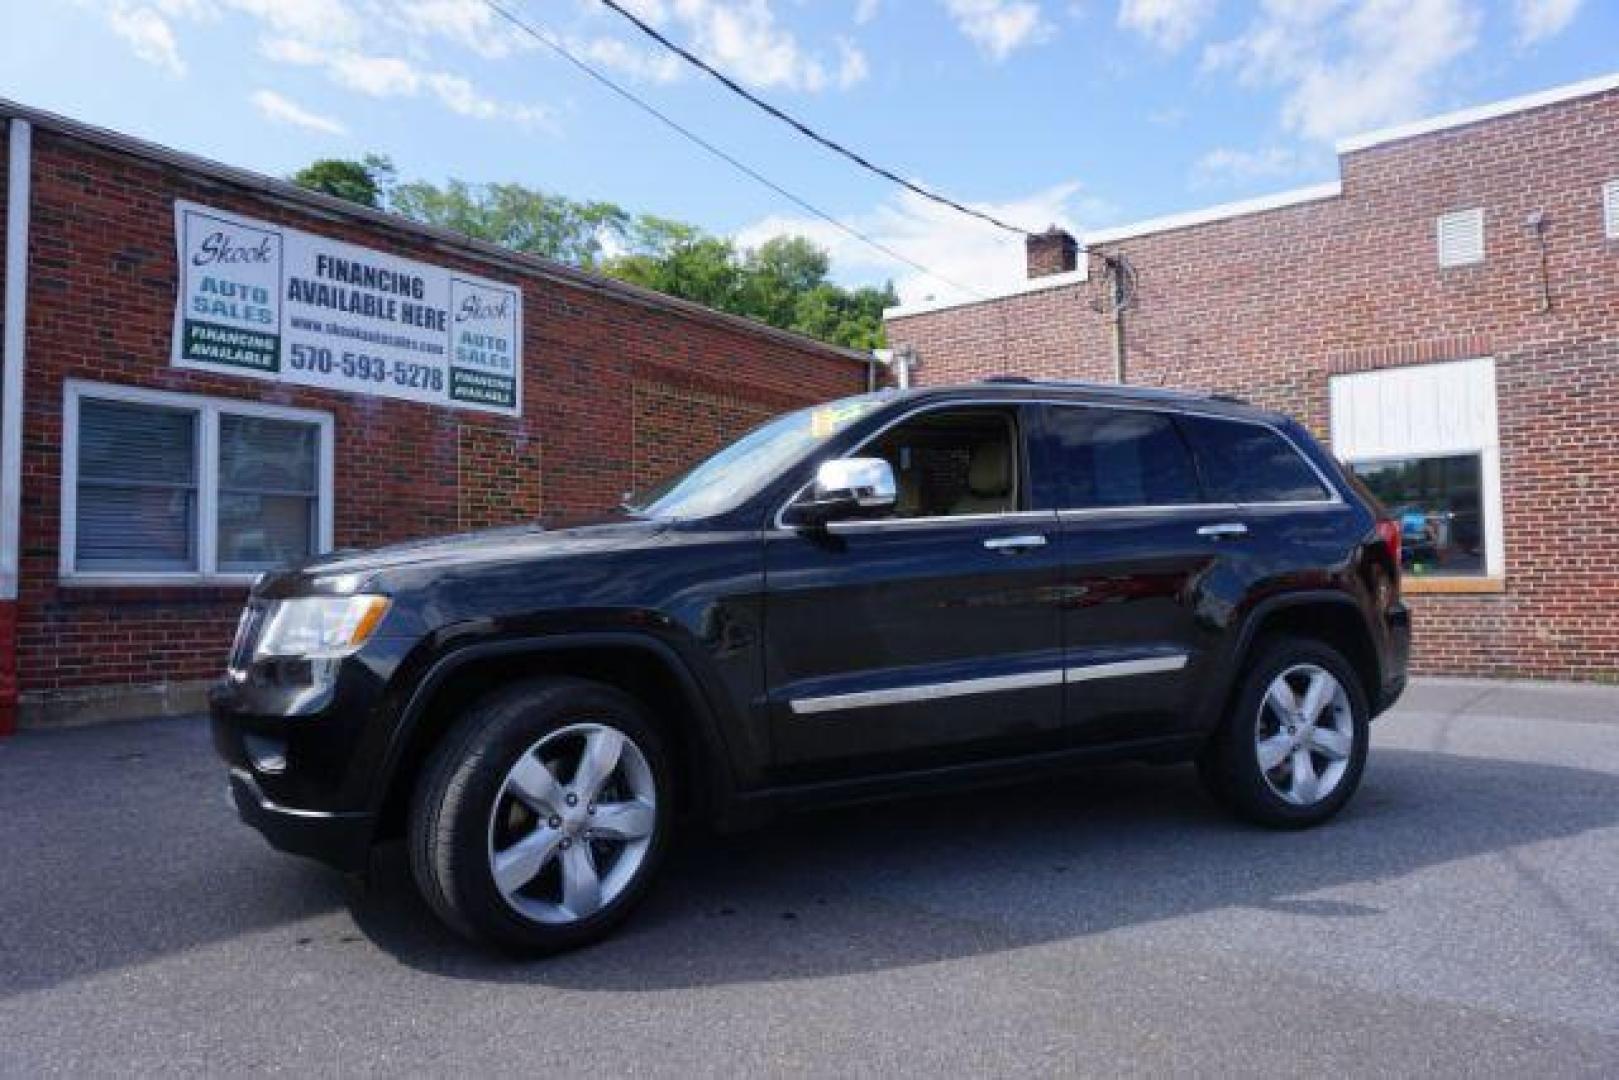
(341, 840)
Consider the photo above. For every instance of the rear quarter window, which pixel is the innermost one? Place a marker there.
(1249, 463)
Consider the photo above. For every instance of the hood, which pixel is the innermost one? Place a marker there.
(350, 570)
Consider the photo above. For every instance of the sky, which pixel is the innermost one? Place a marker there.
(1079, 113)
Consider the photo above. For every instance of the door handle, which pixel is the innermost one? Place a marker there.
(1011, 545)
(1223, 530)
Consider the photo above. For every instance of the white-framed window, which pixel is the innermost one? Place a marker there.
(164, 488)
(1610, 209)
(1425, 440)
(1461, 238)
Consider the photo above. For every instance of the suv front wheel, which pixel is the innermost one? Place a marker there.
(541, 818)
(1292, 749)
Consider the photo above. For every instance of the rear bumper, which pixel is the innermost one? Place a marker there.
(1396, 658)
(341, 840)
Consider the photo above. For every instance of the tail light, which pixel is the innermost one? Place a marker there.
(1389, 532)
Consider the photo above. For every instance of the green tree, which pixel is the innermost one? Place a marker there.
(366, 181)
(777, 274)
(696, 267)
(514, 216)
(785, 281)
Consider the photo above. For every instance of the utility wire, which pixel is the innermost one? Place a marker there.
(803, 128)
(561, 50)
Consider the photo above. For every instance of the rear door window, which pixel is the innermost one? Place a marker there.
(1101, 458)
(1250, 463)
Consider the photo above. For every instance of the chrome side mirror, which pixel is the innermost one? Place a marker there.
(848, 487)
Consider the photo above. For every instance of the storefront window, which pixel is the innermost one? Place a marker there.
(165, 486)
(1439, 504)
(1426, 440)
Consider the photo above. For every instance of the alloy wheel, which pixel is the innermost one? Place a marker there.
(1304, 734)
(572, 824)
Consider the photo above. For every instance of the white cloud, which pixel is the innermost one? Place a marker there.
(461, 97)
(865, 11)
(852, 65)
(1349, 65)
(471, 24)
(1000, 27)
(277, 109)
(309, 20)
(653, 65)
(1228, 165)
(1169, 24)
(330, 35)
(395, 76)
(149, 36)
(1537, 20)
(962, 251)
(739, 37)
(377, 76)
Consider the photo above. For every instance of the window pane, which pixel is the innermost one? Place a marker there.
(260, 532)
(256, 454)
(1438, 502)
(119, 441)
(136, 508)
(1114, 457)
(267, 486)
(952, 462)
(1246, 463)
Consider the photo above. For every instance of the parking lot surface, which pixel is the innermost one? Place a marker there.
(1462, 916)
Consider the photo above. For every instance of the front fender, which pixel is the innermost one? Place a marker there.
(704, 702)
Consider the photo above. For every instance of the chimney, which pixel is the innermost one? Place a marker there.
(1051, 252)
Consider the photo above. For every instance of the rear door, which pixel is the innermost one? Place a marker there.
(1288, 528)
(930, 636)
(1138, 565)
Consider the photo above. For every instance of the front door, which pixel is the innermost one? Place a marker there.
(931, 635)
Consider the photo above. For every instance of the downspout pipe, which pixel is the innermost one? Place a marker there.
(19, 174)
(18, 177)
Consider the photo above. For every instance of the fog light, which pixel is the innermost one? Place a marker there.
(267, 755)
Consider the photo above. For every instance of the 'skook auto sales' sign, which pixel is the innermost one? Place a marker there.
(257, 299)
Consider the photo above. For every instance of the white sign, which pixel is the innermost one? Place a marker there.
(275, 303)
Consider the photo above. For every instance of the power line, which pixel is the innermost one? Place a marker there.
(747, 170)
(803, 128)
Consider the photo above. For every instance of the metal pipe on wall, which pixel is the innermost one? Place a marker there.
(13, 351)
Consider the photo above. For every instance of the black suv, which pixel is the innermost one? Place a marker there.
(885, 594)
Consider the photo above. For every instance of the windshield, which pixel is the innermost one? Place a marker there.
(741, 469)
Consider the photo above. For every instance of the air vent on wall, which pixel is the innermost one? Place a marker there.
(1461, 238)
(1610, 209)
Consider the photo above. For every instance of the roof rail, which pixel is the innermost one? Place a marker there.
(1132, 389)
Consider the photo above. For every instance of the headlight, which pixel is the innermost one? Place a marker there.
(320, 627)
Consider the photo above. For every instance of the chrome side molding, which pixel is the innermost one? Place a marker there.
(1027, 680)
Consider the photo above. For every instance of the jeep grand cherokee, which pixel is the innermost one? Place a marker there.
(889, 593)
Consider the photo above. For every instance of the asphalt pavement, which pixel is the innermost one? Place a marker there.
(1461, 917)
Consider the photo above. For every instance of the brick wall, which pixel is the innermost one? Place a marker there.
(679, 420)
(102, 301)
(1268, 305)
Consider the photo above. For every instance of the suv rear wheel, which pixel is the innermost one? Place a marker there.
(540, 820)
(1291, 751)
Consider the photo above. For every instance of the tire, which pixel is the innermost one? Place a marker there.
(1282, 796)
(508, 791)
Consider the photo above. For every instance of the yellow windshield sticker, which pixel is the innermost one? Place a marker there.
(828, 419)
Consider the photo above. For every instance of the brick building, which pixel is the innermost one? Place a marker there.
(1446, 315)
(300, 380)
